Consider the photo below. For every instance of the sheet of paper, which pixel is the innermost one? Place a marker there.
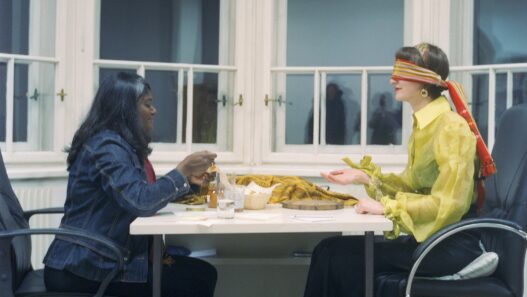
(312, 218)
(256, 216)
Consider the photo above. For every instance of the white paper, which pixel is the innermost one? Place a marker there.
(312, 218)
(256, 216)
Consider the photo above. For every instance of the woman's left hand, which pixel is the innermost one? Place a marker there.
(369, 206)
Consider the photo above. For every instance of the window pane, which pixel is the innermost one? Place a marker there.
(21, 103)
(14, 26)
(384, 112)
(480, 105)
(212, 109)
(20, 19)
(182, 31)
(501, 96)
(519, 93)
(341, 32)
(213, 106)
(496, 41)
(105, 72)
(165, 92)
(519, 82)
(496, 25)
(343, 118)
(34, 106)
(297, 108)
(3, 80)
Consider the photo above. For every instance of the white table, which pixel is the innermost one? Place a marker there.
(175, 220)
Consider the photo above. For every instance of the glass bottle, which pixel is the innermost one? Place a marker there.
(212, 194)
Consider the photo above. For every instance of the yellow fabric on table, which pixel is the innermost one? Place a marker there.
(294, 187)
(437, 186)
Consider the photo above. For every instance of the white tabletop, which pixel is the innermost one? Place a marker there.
(274, 219)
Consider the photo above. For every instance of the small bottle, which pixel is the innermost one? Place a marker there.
(204, 188)
(212, 194)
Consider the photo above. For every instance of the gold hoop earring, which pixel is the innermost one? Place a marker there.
(424, 93)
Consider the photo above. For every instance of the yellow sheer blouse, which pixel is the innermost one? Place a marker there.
(437, 186)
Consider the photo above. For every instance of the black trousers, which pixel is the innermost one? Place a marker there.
(187, 277)
(337, 264)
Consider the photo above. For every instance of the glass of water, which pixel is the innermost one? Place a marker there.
(225, 209)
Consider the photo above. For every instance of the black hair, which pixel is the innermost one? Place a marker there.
(430, 57)
(115, 108)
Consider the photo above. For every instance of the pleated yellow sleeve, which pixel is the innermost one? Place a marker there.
(437, 186)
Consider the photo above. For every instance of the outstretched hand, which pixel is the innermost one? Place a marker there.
(195, 165)
(346, 177)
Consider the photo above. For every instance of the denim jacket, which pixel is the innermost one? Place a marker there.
(107, 190)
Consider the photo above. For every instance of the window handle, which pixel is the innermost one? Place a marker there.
(35, 95)
(223, 100)
(240, 101)
(62, 94)
(279, 100)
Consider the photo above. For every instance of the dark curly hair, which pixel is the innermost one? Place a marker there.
(115, 108)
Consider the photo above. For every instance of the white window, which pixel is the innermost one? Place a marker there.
(489, 59)
(186, 55)
(329, 93)
(496, 41)
(273, 86)
(29, 69)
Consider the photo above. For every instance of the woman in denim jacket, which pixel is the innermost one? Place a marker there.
(110, 184)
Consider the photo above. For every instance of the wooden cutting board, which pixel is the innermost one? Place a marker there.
(312, 204)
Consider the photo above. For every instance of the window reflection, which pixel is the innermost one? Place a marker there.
(205, 108)
(332, 33)
(385, 122)
(335, 117)
(342, 112)
(175, 31)
(338, 33)
(496, 42)
(3, 79)
(14, 26)
(180, 31)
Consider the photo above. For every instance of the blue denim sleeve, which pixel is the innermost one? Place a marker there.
(125, 182)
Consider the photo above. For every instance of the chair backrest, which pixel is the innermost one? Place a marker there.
(506, 195)
(12, 218)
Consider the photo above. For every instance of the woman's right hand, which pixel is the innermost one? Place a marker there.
(346, 177)
(196, 164)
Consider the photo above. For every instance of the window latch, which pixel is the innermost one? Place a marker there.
(223, 100)
(62, 94)
(240, 101)
(35, 95)
(279, 100)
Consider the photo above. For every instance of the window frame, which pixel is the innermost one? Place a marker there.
(317, 154)
(24, 161)
(168, 153)
(252, 26)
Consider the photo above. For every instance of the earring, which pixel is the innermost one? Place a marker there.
(424, 93)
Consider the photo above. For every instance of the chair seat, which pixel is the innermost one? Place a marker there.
(386, 284)
(33, 286)
(33, 282)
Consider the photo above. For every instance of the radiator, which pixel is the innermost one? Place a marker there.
(34, 198)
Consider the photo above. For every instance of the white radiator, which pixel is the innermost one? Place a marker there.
(35, 198)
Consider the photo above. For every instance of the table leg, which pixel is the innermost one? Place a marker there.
(368, 258)
(157, 265)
